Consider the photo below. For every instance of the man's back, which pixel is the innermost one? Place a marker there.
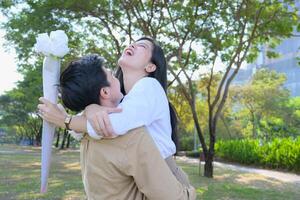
(104, 165)
(128, 167)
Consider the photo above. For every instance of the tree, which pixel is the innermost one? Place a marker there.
(18, 106)
(293, 118)
(193, 33)
(266, 100)
(186, 125)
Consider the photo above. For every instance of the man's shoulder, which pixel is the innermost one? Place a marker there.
(132, 136)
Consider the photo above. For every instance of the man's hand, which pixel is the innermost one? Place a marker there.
(98, 117)
(53, 113)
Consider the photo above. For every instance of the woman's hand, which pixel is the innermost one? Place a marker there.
(98, 117)
(53, 113)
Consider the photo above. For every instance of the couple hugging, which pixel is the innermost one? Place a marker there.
(127, 149)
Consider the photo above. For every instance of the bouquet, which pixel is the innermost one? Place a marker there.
(53, 47)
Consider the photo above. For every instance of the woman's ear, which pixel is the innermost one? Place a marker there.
(150, 68)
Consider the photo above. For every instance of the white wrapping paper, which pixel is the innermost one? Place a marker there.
(53, 48)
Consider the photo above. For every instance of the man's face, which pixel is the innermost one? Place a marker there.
(115, 91)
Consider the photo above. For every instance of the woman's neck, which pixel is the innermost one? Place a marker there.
(130, 79)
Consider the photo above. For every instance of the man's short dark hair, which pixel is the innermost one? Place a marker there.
(81, 82)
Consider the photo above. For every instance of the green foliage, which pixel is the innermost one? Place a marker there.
(263, 106)
(193, 154)
(186, 143)
(18, 106)
(282, 153)
(244, 151)
(293, 110)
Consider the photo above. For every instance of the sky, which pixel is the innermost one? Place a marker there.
(8, 66)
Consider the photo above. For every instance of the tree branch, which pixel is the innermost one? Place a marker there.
(238, 67)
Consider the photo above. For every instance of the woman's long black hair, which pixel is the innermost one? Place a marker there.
(160, 74)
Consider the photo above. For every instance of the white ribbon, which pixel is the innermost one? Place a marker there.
(53, 48)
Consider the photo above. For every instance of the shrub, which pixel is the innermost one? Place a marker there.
(279, 153)
(186, 143)
(193, 154)
(243, 151)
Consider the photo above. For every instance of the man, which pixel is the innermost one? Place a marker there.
(126, 167)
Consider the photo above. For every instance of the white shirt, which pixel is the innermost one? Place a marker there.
(146, 104)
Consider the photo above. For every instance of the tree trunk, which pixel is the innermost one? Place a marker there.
(209, 156)
(64, 139)
(57, 139)
(38, 138)
(31, 140)
(254, 135)
(68, 141)
(208, 167)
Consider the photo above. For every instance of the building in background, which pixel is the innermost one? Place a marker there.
(287, 63)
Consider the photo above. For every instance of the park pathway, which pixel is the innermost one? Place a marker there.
(282, 176)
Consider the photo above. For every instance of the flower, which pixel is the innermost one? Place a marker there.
(56, 45)
(42, 44)
(59, 43)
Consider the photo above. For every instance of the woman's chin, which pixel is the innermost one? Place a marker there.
(125, 64)
(122, 62)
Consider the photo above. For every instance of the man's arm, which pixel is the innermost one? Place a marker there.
(151, 173)
(56, 114)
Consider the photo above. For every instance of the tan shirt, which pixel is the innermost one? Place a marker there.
(128, 167)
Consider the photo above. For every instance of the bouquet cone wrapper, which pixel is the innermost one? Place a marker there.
(53, 48)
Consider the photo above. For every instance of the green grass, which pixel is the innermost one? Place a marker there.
(20, 179)
(229, 184)
(20, 174)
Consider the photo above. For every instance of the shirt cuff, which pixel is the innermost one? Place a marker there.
(92, 133)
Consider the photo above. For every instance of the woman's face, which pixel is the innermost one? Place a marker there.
(136, 56)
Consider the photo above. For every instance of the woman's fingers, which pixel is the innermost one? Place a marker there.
(108, 125)
(105, 125)
(95, 124)
(113, 110)
(99, 118)
(103, 130)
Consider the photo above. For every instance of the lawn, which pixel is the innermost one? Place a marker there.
(20, 175)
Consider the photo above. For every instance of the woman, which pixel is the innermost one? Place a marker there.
(143, 79)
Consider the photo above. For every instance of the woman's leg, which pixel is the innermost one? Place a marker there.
(177, 171)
